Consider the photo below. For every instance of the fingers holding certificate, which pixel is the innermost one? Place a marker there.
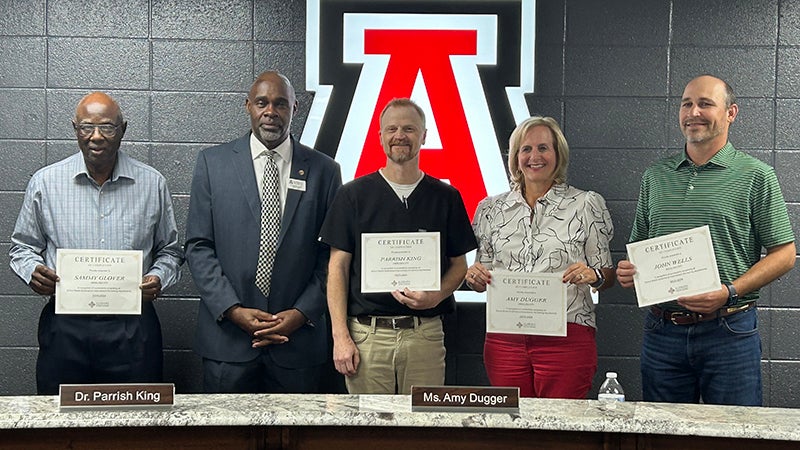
(526, 303)
(397, 261)
(99, 281)
(675, 265)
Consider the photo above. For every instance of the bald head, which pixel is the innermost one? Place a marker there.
(275, 78)
(95, 102)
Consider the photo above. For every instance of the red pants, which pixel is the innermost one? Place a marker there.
(543, 366)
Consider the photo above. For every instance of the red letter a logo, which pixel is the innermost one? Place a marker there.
(456, 161)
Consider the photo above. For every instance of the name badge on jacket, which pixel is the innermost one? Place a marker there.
(297, 185)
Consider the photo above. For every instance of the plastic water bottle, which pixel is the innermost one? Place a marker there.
(611, 390)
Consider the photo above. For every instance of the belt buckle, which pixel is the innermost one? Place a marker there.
(394, 323)
(674, 316)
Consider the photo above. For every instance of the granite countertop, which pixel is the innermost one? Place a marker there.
(395, 411)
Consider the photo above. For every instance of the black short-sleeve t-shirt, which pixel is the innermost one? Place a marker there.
(369, 205)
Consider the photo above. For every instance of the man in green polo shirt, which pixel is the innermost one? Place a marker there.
(707, 347)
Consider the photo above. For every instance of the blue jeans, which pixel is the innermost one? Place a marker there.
(718, 361)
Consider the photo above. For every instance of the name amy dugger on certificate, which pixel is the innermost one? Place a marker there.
(526, 303)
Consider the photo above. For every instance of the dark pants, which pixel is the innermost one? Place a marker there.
(80, 349)
(260, 375)
(718, 361)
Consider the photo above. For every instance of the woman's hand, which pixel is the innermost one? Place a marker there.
(579, 273)
(478, 277)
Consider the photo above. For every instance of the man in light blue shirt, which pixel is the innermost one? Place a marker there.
(99, 198)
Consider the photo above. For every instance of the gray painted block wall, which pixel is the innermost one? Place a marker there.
(610, 72)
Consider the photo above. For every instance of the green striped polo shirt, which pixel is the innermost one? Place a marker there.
(736, 195)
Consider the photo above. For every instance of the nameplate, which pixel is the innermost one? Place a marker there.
(116, 396)
(465, 399)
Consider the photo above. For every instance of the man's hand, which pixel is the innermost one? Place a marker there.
(418, 299)
(43, 280)
(288, 322)
(625, 272)
(151, 287)
(251, 320)
(705, 303)
(345, 356)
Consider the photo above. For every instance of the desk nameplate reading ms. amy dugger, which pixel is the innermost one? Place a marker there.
(526, 303)
(675, 265)
(98, 281)
(465, 399)
(392, 261)
(115, 396)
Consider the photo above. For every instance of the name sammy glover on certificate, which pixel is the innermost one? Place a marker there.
(98, 281)
(391, 261)
(526, 303)
(675, 265)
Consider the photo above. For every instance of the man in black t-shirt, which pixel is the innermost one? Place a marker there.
(386, 342)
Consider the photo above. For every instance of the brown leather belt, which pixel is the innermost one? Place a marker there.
(394, 323)
(689, 317)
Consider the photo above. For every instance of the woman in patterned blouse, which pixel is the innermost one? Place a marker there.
(544, 225)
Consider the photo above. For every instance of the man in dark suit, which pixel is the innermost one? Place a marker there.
(272, 337)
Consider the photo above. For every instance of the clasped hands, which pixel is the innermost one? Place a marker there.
(265, 328)
(478, 276)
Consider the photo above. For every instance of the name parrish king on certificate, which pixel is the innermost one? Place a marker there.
(395, 261)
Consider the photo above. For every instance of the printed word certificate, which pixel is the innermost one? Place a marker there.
(675, 265)
(526, 303)
(391, 261)
(98, 281)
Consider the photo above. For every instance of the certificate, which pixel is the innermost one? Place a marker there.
(98, 281)
(526, 303)
(391, 261)
(676, 265)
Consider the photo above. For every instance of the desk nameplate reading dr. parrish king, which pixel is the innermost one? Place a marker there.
(675, 265)
(526, 303)
(98, 281)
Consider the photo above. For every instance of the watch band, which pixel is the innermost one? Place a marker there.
(600, 278)
(733, 296)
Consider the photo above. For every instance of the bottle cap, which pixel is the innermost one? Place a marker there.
(611, 374)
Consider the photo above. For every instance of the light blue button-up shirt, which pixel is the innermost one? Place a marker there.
(65, 208)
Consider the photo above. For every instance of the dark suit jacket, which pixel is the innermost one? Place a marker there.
(222, 240)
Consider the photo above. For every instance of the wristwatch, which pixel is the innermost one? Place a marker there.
(733, 296)
(600, 278)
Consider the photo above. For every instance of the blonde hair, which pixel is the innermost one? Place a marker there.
(559, 142)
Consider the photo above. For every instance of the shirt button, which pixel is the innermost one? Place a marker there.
(691, 187)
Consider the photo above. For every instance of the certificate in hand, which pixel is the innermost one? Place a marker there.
(98, 281)
(391, 261)
(526, 303)
(676, 265)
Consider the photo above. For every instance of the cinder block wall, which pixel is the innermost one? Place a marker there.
(611, 72)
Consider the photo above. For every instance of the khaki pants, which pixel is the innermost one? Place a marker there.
(394, 360)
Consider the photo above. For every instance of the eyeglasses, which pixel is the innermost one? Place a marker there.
(87, 129)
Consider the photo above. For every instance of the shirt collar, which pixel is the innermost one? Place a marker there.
(723, 158)
(257, 148)
(552, 196)
(122, 169)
